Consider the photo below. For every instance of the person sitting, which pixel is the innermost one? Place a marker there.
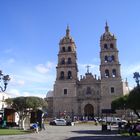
(138, 128)
(34, 127)
(133, 129)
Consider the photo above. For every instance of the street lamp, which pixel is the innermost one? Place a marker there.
(72, 115)
(4, 79)
(137, 76)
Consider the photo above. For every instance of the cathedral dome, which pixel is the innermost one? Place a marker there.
(107, 35)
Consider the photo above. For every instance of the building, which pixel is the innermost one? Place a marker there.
(3, 104)
(89, 95)
(3, 96)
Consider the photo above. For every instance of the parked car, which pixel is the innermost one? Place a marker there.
(60, 122)
(113, 120)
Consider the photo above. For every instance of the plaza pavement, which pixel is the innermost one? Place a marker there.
(77, 132)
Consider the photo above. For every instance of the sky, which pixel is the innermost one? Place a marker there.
(30, 31)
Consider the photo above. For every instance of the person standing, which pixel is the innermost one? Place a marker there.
(43, 124)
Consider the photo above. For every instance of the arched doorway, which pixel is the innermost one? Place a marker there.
(89, 111)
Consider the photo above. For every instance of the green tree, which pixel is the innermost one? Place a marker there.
(131, 101)
(120, 103)
(134, 100)
(23, 106)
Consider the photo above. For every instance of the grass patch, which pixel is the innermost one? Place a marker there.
(13, 132)
(127, 134)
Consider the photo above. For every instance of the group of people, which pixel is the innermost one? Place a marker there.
(133, 128)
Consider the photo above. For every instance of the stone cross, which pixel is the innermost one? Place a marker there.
(87, 68)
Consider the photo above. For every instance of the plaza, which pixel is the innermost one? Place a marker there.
(77, 132)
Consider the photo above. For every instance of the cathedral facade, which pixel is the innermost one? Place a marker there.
(89, 95)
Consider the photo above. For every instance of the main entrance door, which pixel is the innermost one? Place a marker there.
(89, 111)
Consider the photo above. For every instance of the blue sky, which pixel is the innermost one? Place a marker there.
(30, 31)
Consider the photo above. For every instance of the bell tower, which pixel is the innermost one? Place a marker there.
(65, 87)
(111, 82)
(67, 65)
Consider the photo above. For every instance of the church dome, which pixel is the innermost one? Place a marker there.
(107, 35)
(49, 94)
(67, 38)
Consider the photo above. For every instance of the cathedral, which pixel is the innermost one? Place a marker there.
(88, 95)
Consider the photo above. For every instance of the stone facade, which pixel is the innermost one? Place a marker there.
(88, 95)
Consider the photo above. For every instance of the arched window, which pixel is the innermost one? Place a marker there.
(63, 61)
(105, 46)
(69, 60)
(113, 58)
(106, 59)
(111, 46)
(69, 75)
(62, 75)
(106, 73)
(63, 49)
(114, 73)
(69, 49)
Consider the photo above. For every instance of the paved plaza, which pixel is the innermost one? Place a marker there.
(77, 132)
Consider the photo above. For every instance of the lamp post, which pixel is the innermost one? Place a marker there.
(72, 115)
(124, 111)
(137, 76)
(4, 79)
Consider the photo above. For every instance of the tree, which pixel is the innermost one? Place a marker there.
(131, 101)
(23, 106)
(134, 100)
(120, 103)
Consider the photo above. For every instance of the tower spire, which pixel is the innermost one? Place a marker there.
(106, 27)
(67, 31)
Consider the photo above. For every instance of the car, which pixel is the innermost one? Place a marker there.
(60, 122)
(113, 120)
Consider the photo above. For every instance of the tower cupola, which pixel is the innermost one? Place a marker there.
(107, 35)
(67, 38)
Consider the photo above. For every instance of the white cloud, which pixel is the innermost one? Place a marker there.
(26, 94)
(16, 81)
(43, 69)
(14, 92)
(21, 82)
(17, 92)
(27, 81)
